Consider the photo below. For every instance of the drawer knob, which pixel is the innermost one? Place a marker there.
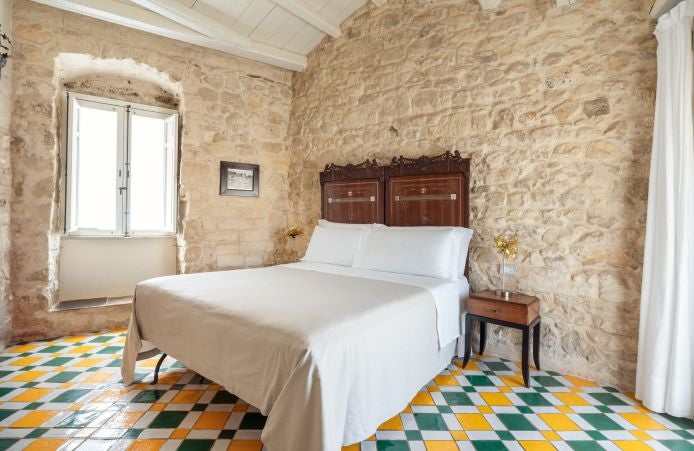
(494, 310)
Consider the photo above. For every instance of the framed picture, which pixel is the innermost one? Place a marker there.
(239, 179)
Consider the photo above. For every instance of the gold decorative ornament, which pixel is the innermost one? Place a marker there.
(293, 232)
(507, 247)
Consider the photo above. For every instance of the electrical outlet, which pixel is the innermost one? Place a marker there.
(507, 269)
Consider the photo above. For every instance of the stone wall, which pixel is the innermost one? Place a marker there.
(5, 177)
(555, 107)
(120, 88)
(232, 109)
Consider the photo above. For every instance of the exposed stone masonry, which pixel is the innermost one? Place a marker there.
(120, 88)
(231, 109)
(555, 107)
(5, 177)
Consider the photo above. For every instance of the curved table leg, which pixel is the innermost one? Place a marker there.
(524, 360)
(536, 345)
(157, 368)
(468, 342)
(483, 336)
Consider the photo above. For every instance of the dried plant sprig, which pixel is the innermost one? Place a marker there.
(293, 232)
(5, 46)
(5, 42)
(507, 246)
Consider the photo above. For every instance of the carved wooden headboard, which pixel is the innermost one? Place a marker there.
(353, 193)
(430, 191)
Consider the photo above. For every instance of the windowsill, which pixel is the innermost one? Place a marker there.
(114, 237)
(91, 303)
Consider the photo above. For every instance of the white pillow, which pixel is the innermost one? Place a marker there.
(408, 251)
(344, 225)
(459, 249)
(336, 246)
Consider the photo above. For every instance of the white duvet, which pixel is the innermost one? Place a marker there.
(327, 353)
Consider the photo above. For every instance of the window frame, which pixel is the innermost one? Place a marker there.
(125, 112)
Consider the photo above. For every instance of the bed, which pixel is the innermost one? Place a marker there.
(327, 351)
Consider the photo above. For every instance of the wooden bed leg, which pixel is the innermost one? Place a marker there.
(156, 369)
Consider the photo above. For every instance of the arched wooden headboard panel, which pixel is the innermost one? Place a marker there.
(353, 193)
(428, 191)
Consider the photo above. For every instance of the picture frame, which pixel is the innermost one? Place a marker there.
(239, 179)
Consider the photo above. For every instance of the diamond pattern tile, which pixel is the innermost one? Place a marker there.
(66, 394)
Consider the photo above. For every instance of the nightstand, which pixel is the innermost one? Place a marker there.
(519, 311)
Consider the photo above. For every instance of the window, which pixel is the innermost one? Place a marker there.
(121, 168)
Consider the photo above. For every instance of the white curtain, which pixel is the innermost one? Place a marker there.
(665, 369)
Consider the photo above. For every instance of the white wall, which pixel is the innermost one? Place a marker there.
(111, 267)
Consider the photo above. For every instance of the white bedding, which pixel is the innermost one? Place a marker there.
(447, 294)
(327, 352)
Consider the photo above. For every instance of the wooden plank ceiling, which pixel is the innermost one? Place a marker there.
(278, 32)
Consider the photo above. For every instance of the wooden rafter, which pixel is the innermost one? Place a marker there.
(217, 36)
(192, 19)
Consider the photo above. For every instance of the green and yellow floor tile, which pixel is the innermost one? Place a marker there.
(66, 394)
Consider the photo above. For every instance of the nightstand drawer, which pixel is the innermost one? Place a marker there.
(503, 310)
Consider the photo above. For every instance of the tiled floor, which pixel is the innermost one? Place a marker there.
(67, 393)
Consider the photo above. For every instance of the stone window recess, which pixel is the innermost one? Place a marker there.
(121, 168)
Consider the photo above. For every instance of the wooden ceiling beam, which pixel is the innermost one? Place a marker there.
(194, 20)
(311, 16)
(226, 40)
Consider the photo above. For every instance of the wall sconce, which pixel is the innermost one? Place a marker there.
(5, 46)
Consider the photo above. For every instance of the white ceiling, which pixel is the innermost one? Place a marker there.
(267, 22)
(279, 32)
